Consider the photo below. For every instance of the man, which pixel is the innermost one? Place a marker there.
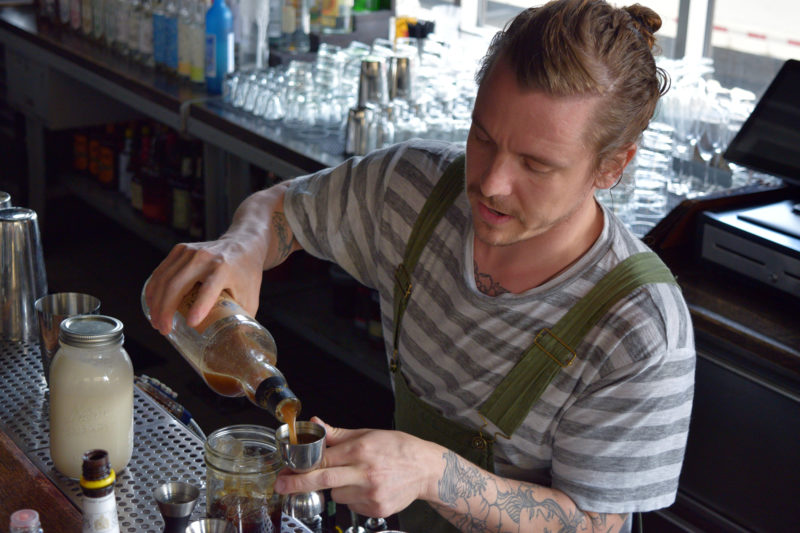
(523, 407)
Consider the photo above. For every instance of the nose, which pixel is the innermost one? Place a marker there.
(496, 178)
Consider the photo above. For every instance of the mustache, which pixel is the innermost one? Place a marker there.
(492, 202)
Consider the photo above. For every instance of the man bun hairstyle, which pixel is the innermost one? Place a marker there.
(587, 47)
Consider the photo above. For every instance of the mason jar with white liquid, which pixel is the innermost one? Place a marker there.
(91, 394)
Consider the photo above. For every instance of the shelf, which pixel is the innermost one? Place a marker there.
(118, 208)
(306, 309)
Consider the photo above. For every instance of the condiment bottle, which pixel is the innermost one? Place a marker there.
(91, 394)
(24, 521)
(233, 353)
(97, 486)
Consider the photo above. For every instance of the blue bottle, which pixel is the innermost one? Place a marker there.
(219, 45)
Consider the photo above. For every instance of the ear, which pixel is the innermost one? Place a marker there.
(611, 167)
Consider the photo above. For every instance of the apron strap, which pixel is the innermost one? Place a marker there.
(554, 348)
(444, 193)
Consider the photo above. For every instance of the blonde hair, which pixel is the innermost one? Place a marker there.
(576, 47)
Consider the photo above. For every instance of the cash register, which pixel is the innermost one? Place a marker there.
(762, 242)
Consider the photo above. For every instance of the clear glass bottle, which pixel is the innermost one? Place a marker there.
(110, 23)
(91, 394)
(134, 21)
(242, 463)
(24, 521)
(97, 487)
(171, 36)
(146, 34)
(296, 26)
(185, 22)
(122, 12)
(234, 354)
(86, 17)
(198, 39)
(98, 19)
(75, 15)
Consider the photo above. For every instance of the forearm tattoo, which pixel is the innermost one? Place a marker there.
(282, 230)
(486, 284)
(463, 483)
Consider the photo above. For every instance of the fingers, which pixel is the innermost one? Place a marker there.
(184, 266)
(322, 478)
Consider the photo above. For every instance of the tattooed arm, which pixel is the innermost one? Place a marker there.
(474, 500)
(258, 238)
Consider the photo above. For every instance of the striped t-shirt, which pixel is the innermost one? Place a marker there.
(610, 430)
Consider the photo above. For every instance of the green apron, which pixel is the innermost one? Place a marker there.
(516, 394)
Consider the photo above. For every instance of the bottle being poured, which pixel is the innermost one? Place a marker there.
(234, 354)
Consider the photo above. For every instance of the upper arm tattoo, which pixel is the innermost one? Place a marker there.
(282, 231)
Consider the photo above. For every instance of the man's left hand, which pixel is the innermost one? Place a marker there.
(374, 472)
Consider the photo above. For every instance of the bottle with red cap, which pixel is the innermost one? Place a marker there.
(25, 521)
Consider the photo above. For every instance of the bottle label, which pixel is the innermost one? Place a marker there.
(100, 514)
(288, 19)
(184, 49)
(211, 55)
(197, 38)
(171, 42)
(231, 49)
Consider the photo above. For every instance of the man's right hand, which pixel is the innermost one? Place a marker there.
(259, 238)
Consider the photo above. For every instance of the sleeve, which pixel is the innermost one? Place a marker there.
(620, 446)
(334, 213)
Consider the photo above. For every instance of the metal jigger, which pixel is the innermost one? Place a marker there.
(176, 501)
(303, 457)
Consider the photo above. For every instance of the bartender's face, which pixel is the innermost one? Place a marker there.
(528, 168)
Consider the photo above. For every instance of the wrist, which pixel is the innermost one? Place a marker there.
(432, 471)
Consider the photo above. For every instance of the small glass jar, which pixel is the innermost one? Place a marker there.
(91, 394)
(242, 463)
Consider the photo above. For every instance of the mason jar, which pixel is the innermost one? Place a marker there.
(91, 394)
(242, 463)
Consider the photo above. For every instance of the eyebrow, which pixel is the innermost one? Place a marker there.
(539, 159)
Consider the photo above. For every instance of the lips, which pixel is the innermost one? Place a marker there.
(492, 216)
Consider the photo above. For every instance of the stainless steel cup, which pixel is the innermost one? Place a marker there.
(5, 200)
(176, 500)
(23, 279)
(211, 525)
(52, 309)
(372, 87)
(400, 77)
(304, 456)
(357, 134)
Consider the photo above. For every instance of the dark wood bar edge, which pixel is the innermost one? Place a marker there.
(751, 316)
(24, 486)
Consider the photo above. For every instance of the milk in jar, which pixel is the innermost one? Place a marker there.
(91, 394)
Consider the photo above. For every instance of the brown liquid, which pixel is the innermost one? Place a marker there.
(307, 438)
(289, 414)
(221, 384)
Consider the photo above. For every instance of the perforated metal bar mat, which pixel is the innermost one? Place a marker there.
(164, 449)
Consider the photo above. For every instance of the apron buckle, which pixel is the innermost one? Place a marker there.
(479, 442)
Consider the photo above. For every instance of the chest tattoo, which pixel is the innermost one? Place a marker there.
(486, 284)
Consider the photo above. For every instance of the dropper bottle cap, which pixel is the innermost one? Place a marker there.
(24, 518)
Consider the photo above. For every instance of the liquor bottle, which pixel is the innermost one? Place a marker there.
(141, 155)
(124, 172)
(75, 15)
(97, 486)
(109, 23)
(295, 26)
(94, 151)
(185, 22)
(234, 354)
(134, 21)
(274, 34)
(171, 36)
(98, 19)
(121, 41)
(219, 46)
(197, 37)
(155, 190)
(24, 521)
(158, 35)
(86, 17)
(198, 195)
(63, 11)
(146, 34)
(181, 190)
(107, 154)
